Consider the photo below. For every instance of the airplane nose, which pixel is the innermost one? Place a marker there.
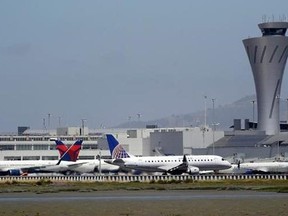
(228, 165)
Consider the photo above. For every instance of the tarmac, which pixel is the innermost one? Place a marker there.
(170, 203)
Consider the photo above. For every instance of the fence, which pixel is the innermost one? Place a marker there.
(144, 178)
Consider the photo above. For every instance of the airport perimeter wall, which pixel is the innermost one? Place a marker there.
(148, 178)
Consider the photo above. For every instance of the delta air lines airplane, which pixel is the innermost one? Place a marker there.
(24, 167)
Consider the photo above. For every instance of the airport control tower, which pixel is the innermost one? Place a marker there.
(267, 56)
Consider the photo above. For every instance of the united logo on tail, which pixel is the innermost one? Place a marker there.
(116, 150)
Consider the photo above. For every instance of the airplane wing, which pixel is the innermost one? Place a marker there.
(118, 162)
(262, 169)
(181, 168)
(75, 165)
(171, 168)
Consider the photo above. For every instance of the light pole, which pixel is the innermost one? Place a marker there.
(213, 123)
(129, 121)
(49, 115)
(100, 169)
(205, 111)
(83, 126)
(253, 107)
(138, 116)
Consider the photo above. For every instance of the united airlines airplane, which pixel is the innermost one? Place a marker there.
(191, 164)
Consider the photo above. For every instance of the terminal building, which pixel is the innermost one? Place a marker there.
(39, 145)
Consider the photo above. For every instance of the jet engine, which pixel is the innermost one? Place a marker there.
(192, 170)
(15, 172)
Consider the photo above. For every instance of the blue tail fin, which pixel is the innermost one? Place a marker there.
(116, 150)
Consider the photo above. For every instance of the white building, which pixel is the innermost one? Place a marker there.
(36, 144)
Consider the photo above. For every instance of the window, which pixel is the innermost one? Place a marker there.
(40, 147)
(49, 157)
(273, 31)
(86, 157)
(12, 158)
(52, 147)
(89, 146)
(31, 157)
(23, 147)
(6, 147)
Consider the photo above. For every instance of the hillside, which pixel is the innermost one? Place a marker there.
(224, 115)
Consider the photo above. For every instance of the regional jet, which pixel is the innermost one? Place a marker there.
(191, 164)
(258, 168)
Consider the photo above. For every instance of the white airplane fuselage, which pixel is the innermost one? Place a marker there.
(261, 167)
(81, 166)
(33, 166)
(160, 163)
(91, 166)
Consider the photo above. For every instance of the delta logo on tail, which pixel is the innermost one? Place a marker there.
(116, 150)
(69, 154)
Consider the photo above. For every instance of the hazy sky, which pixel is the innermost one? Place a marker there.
(106, 60)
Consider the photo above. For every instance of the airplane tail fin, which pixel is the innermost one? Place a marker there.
(62, 148)
(116, 149)
(68, 154)
(74, 150)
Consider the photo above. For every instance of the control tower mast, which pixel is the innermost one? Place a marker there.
(267, 56)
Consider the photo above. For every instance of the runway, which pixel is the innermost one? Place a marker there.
(144, 203)
(103, 196)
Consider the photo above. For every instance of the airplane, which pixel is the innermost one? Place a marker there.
(175, 165)
(258, 168)
(24, 167)
(82, 166)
